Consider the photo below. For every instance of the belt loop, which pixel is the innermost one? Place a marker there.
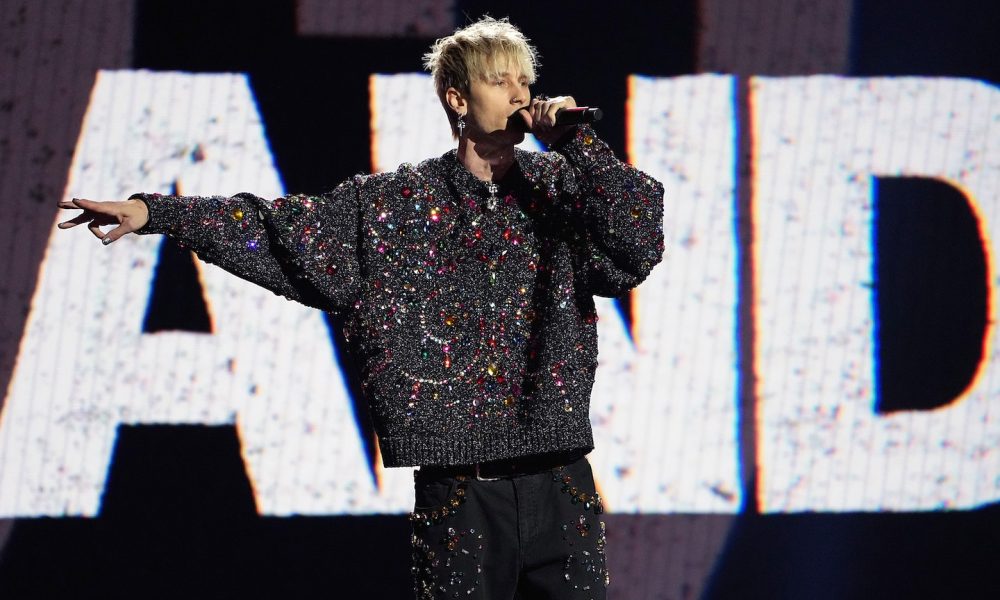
(481, 478)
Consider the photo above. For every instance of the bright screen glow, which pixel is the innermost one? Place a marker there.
(664, 406)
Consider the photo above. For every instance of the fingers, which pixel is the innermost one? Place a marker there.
(81, 218)
(549, 116)
(86, 215)
(544, 109)
(94, 228)
(100, 214)
(111, 236)
(115, 233)
(77, 220)
(537, 111)
(543, 117)
(106, 208)
(79, 203)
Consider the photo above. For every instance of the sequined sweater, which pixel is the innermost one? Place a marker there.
(468, 306)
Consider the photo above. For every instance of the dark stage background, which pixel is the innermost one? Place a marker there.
(179, 515)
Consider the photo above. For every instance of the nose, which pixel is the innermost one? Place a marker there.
(520, 95)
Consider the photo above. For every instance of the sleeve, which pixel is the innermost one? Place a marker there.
(615, 212)
(301, 247)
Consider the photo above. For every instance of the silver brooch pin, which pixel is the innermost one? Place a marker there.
(491, 202)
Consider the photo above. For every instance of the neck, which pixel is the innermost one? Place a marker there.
(486, 161)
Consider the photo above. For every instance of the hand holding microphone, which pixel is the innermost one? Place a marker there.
(548, 119)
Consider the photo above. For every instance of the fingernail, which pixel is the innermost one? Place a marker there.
(106, 241)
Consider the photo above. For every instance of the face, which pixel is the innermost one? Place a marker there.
(492, 101)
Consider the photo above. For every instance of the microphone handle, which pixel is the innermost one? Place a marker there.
(578, 115)
(565, 116)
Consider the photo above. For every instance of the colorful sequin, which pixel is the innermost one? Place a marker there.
(469, 305)
(449, 564)
(585, 567)
(435, 516)
(587, 501)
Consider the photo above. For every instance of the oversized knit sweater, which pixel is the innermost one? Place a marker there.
(468, 306)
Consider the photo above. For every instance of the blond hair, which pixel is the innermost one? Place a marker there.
(483, 50)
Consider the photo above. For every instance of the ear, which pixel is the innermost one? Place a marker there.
(456, 100)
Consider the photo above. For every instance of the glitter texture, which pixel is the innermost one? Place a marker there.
(584, 569)
(469, 306)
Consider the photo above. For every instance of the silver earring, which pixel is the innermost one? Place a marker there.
(461, 125)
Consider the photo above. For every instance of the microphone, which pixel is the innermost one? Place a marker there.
(564, 116)
(578, 115)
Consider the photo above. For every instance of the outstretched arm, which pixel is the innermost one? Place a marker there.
(300, 247)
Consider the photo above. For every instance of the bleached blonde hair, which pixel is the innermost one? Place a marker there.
(483, 50)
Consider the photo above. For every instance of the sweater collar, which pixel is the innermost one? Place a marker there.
(529, 163)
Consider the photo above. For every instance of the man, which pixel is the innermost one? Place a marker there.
(467, 285)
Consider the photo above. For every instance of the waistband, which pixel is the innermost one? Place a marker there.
(503, 469)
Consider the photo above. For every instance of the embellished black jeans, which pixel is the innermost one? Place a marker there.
(536, 536)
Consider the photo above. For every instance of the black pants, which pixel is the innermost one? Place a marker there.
(526, 537)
